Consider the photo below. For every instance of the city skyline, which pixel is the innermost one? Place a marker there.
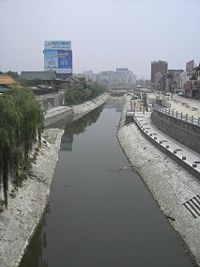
(105, 35)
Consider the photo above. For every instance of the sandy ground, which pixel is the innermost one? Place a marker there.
(185, 108)
(181, 104)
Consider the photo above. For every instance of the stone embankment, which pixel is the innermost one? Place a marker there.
(175, 190)
(19, 221)
(62, 112)
(55, 114)
(90, 105)
(186, 132)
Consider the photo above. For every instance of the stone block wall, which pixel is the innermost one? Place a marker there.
(57, 116)
(182, 131)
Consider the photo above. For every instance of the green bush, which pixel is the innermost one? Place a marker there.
(78, 94)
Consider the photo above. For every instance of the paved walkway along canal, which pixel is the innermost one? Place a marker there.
(100, 214)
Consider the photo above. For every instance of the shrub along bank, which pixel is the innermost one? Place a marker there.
(21, 122)
(85, 91)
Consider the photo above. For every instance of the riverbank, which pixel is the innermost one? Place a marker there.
(88, 106)
(19, 221)
(63, 112)
(170, 184)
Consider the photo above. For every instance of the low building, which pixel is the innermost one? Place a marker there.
(47, 78)
(5, 82)
(193, 85)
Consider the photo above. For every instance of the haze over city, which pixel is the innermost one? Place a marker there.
(100, 133)
(105, 35)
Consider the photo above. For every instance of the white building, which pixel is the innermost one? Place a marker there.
(88, 74)
(104, 77)
(125, 77)
(122, 76)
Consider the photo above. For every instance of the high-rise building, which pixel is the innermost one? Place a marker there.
(122, 76)
(125, 76)
(158, 66)
(88, 74)
(58, 57)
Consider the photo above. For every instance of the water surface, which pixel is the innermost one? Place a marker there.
(100, 214)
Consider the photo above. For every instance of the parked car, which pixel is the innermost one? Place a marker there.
(181, 93)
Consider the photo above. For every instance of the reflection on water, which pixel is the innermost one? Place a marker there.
(67, 141)
(77, 127)
(115, 103)
(35, 256)
(101, 213)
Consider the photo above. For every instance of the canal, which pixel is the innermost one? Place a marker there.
(100, 214)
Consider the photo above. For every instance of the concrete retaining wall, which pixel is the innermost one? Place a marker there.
(56, 114)
(49, 101)
(169, 152)
(90, 105)
(62, 112)
(182, 131)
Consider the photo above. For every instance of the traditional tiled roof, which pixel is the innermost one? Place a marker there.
(6, 80)
(37, 75)
(62, 76)
(72, 79)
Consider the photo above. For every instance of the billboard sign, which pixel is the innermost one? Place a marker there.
(64, 61)
(50, 59)
(190, 65)
(58, 60)
(57, 45)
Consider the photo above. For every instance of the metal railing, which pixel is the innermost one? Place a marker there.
(179, 115)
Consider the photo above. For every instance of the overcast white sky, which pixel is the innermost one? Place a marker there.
(104, 34)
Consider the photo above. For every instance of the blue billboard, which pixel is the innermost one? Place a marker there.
(64, 61)
(58, 60)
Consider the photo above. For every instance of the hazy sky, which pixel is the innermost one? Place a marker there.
(104, 34)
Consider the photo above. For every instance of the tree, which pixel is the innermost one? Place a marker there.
(21, 122)
(12, 74)
(78, 94)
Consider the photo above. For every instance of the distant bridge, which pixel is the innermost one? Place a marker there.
(127, 89)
